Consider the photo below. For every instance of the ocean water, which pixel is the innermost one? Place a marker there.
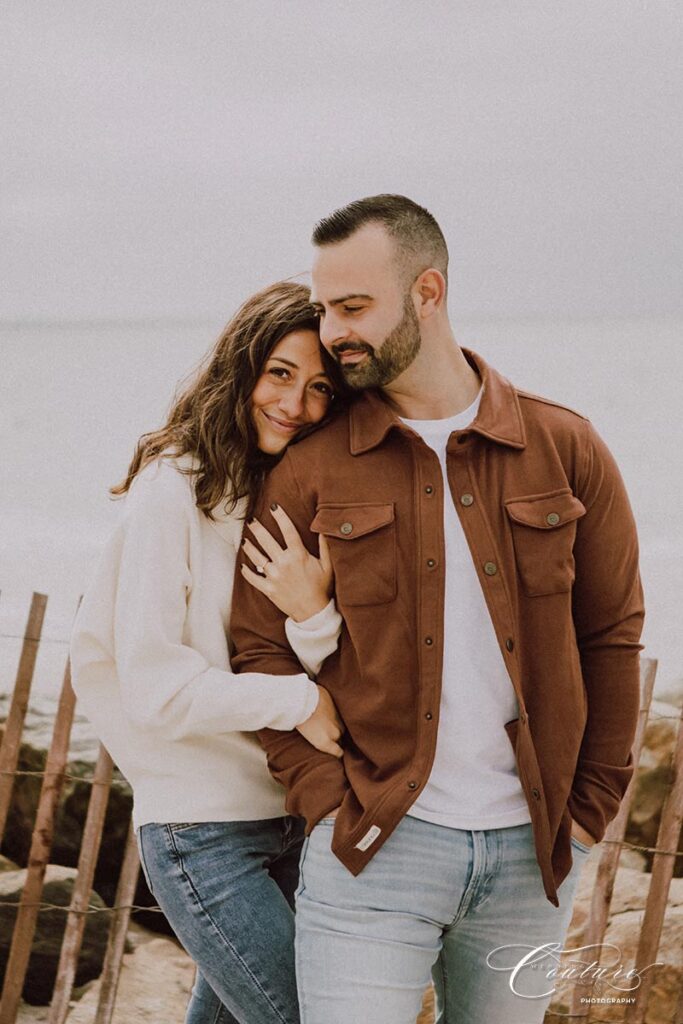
(74, 397)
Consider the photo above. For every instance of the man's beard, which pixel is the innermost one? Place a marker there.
(385, 364)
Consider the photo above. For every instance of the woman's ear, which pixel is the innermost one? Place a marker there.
(430, 290)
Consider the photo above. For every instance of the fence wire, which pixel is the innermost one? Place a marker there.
(42, 906)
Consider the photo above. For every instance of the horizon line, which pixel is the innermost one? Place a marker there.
(205, 318)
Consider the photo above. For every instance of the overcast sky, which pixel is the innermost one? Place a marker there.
(164, 159)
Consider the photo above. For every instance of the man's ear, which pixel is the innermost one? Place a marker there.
(430, 292)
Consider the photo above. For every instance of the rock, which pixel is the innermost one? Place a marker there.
(662, 726)
(632, 859)
(73, 806)
(155, 985)
(22, 810)
(653, 780)
(674, 695)
(631, 888)
(42, 969)
(137, 935)
(623, 930)
(32, 1014)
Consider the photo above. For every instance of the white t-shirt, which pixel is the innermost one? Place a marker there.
(474, 782)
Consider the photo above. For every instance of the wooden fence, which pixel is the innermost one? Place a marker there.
(30, 904)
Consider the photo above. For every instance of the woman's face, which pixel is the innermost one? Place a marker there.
(292, 391)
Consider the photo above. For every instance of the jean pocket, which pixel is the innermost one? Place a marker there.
(300, 884)
(578, 845)
(141, 855)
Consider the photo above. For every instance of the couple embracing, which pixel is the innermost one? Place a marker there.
(422, 718)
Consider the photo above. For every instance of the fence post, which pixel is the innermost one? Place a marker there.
(660, 882)
(41, 843)
(125, 892)
(87, 861)
(11, 742)
(606, 874)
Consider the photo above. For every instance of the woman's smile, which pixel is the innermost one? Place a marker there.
(282, 425)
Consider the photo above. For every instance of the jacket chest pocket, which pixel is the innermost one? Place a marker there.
(543, 534)
(362, 540)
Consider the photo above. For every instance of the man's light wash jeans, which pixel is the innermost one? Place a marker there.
(433, 900)
(227, 889)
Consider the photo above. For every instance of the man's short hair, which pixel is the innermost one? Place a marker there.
(418, 239)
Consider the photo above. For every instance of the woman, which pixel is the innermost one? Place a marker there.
(151, 667)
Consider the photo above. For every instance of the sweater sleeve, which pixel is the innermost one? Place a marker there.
(608, 618)
(316, 638)
(137, 609)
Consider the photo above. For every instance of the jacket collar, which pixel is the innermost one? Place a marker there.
(499, 417)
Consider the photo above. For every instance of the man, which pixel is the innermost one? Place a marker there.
(485, 562)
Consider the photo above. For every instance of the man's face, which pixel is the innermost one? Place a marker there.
(367, 318)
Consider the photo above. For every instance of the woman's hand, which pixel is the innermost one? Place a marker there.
(324, 727)
(298, 583)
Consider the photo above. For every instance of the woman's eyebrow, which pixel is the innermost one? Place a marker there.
(295, 366)
(287, 362)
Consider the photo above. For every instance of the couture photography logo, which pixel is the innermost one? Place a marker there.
(584, 965)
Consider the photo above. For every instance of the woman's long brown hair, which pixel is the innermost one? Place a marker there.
(211, 416)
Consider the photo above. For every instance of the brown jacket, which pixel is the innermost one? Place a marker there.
(552, 536)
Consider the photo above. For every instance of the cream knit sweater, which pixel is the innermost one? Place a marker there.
(150, 661)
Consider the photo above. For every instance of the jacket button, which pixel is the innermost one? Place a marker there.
(429, 641)
(490, 568)
(522, 718)
(552, 519)
(467, 500)
(509, 644)
(430, 563)
(429, 489)
(429, 716)
(346, 528)
(536, 795)
(412, 784)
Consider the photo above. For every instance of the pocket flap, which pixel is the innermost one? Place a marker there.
(545, 511)
(347, 522)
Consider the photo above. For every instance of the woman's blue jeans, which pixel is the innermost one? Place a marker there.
(227, 889)
(463, 906)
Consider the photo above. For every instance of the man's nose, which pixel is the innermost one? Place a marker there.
(332, 330)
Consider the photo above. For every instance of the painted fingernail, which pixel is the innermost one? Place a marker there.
(273, 507)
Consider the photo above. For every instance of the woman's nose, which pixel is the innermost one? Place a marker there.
(292, 403)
